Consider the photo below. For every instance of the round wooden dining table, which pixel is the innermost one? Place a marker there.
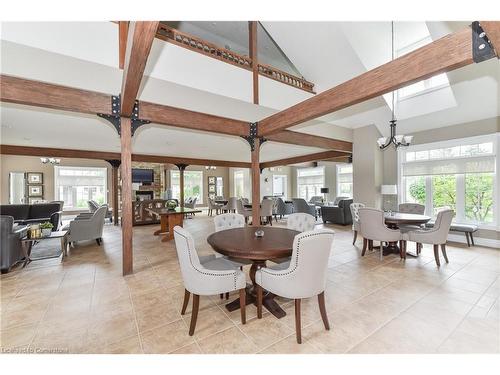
(395, 220)
(241, 243)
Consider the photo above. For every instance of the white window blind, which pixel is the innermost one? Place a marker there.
(478, 164)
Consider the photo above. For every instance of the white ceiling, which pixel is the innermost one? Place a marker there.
(85, 55)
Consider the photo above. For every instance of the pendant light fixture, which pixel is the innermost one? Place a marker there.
(396, 140)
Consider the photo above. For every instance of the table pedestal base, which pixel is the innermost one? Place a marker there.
(251, 296)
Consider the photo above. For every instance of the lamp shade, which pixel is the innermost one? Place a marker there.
(325, 190)
(388, 189)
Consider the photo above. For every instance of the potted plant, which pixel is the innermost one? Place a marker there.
(46, 228)
(171, 204)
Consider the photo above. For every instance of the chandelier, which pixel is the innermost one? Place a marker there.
(210, 167)
(396, 140)
(53, 161)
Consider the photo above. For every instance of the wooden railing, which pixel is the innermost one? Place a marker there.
(193, 43)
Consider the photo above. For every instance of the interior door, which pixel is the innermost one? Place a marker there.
(17, 191)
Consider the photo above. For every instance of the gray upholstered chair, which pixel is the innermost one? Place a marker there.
(304, 277)
(300, 205)
(316, 200)
(339, 214)
(435, 236)
(11, 250)
(214, 277)
(93, 206)
(231, 205)
(213, 206)
(191, 202)
(240, 208)
(281, 208)
(338, 199)
(266, 211)
(373, 228)
(87, 227)
(354, 207)
(411, 208)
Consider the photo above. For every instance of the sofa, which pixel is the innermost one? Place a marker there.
(11, 251)
(339, 214)
(25, 214)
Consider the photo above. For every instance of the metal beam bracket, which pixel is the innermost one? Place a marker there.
(114, 118)
(481, 46)
(181, 166)
(135, 120)
(253, 135)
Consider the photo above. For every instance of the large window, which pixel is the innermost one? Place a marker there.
(310, 181)
(239, 184)
(77, 185)
(344, 180)
(459, 174)
(193, 185)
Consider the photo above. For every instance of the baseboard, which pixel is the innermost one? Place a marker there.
(487, 242)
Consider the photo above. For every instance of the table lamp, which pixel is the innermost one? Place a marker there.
(325, 191)
(388, 190)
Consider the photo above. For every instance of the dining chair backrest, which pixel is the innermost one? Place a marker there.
(266, 208)
(211, 203)
(229, 221)
(245, 200)
(232, 203)
(372, 225)
(307, 273)
(239, 207)
(301, 222)
(354, 207)
(442, 226)
(188, 257)
(411, 208)
(219, 198)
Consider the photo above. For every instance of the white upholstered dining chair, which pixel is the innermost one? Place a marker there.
(354, 207)
(213, 277)
(435, 236)
(301, 222)
(266, 211)
(373, 228)
(304, 277)
(240, 208)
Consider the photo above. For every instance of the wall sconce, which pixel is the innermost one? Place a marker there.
(210, 167)
(52, 161)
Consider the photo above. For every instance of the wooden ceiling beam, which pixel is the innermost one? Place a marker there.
(325, 155)
(47, 95)
(297, 138)
(492, 30)
(122, 41)
(448, 53)
(103, 155)
(140, 38)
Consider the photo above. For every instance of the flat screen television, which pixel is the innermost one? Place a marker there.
(142, 175)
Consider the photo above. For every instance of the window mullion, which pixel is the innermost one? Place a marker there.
(460, 204)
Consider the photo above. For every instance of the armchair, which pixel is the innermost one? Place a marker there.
(87, 228)
(11, 250)
(316, 200)
(300, 205)
(93, 206)
(281, 208)
(340, 214)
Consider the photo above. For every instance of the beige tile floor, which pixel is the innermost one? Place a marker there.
(84, 305)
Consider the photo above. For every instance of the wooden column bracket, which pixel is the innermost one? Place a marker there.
(482, 49)
(114, 163)
(253, 135)
(115, 119)
(182, 167)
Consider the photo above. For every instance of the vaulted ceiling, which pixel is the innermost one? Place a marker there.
(85, 55)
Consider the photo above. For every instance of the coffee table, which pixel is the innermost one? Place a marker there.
(29, 242)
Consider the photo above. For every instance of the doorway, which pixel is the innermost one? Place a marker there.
(280, 186)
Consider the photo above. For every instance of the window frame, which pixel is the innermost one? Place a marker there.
(338, 166)
(460, 216)
(200, 199)
(67, 167)
(322, 167)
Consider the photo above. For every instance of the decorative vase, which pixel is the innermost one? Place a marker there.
(171, 205)
(46, 232)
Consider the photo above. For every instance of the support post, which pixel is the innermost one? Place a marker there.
(181, 167)
(252, 44)
(256, 183)
(126, 173)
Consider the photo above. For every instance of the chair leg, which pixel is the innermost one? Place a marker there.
(194, 314)
(259, 301)
(436, 255)
(418, 247)
(298, 326)
(221, 296)
(404, 249)
(227, 295)
(270, 220)
(243, 305)
(186, 301)
(472, 239)
(355, 236)
(467, 238)
(443, 250)
(365, 244)
(370, 245)
(322, 310)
